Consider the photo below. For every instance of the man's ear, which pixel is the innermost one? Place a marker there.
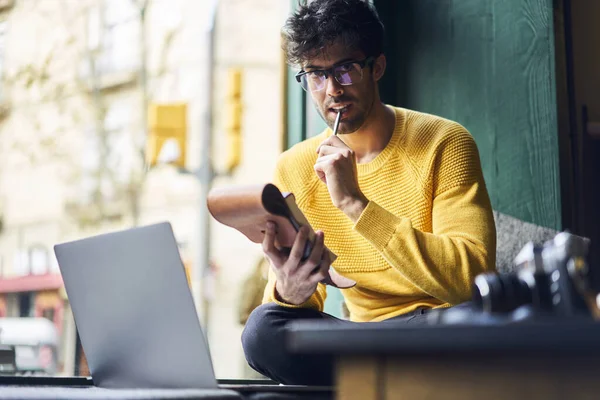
(379, 67)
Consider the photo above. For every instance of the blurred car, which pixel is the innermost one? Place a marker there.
(35, 341)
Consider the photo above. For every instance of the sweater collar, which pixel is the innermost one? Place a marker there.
(380, 160)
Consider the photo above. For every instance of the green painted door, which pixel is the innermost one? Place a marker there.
(489, 65)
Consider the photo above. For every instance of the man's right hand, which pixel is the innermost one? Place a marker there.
(297, 280)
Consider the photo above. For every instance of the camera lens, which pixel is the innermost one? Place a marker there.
(500, 293)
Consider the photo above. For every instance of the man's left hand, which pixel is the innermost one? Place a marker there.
(336, 167)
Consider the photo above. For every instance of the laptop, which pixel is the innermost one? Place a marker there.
(136, 316)
(134, 310)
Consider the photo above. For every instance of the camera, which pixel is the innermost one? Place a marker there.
(550, 279)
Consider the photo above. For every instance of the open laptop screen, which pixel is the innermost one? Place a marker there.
(134, 311)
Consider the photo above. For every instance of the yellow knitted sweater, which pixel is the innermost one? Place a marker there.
(426, 232)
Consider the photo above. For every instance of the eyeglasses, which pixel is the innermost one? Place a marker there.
(345, 74)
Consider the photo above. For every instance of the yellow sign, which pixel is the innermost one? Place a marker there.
(167, 138)
(233, 123)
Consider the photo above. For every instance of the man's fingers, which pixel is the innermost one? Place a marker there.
(325, 150)
(268, 245)
(333, 141)
(327, 158)
(314, 258)
(328, 161)
(317, 250)
(321, 273)
(344, 152)
(298, 247)
(323, 165)
(320, 172)
(268, 242)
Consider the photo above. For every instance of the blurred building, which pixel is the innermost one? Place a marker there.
(77, 79)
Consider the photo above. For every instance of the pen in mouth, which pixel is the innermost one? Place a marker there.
(337, 123)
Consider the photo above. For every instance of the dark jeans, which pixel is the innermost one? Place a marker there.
(264, 344)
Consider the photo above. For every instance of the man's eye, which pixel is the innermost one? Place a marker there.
(317, 74)
(345, 67)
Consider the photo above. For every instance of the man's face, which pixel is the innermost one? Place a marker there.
(356, 100)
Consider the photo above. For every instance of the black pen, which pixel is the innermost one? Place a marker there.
(337, 123)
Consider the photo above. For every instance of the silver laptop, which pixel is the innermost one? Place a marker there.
(134, 310)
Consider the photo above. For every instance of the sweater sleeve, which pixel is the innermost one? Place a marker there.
(317, 300)
(462, 244)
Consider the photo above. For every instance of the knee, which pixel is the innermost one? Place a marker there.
(263, 328)
(263, 341)
(265, 313)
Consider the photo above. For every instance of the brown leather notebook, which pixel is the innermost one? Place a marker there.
(248, 208)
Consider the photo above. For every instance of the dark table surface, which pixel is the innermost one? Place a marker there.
(78, 388)
(562, 336)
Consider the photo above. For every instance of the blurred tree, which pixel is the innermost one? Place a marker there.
(108, 183)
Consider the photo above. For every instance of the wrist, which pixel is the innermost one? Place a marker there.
(281, 298)
(355, 207)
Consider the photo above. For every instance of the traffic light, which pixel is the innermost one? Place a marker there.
(167, 125)
(233, 124)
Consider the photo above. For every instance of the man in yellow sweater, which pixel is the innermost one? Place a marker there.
(398, 195)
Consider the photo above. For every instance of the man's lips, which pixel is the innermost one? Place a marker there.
(336, 108)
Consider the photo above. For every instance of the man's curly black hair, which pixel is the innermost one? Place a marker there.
(319, 23)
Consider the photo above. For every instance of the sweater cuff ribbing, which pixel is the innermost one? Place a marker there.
(310, 303)
(377, 225)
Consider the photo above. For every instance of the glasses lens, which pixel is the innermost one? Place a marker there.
(304, 82)
(348, 74)
(314, 81)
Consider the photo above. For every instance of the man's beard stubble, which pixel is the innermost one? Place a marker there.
(347, 126)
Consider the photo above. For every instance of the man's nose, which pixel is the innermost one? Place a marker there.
(333, 88)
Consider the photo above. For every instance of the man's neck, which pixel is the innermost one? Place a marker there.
(373, 136)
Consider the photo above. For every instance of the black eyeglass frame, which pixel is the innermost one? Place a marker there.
(329, 71)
